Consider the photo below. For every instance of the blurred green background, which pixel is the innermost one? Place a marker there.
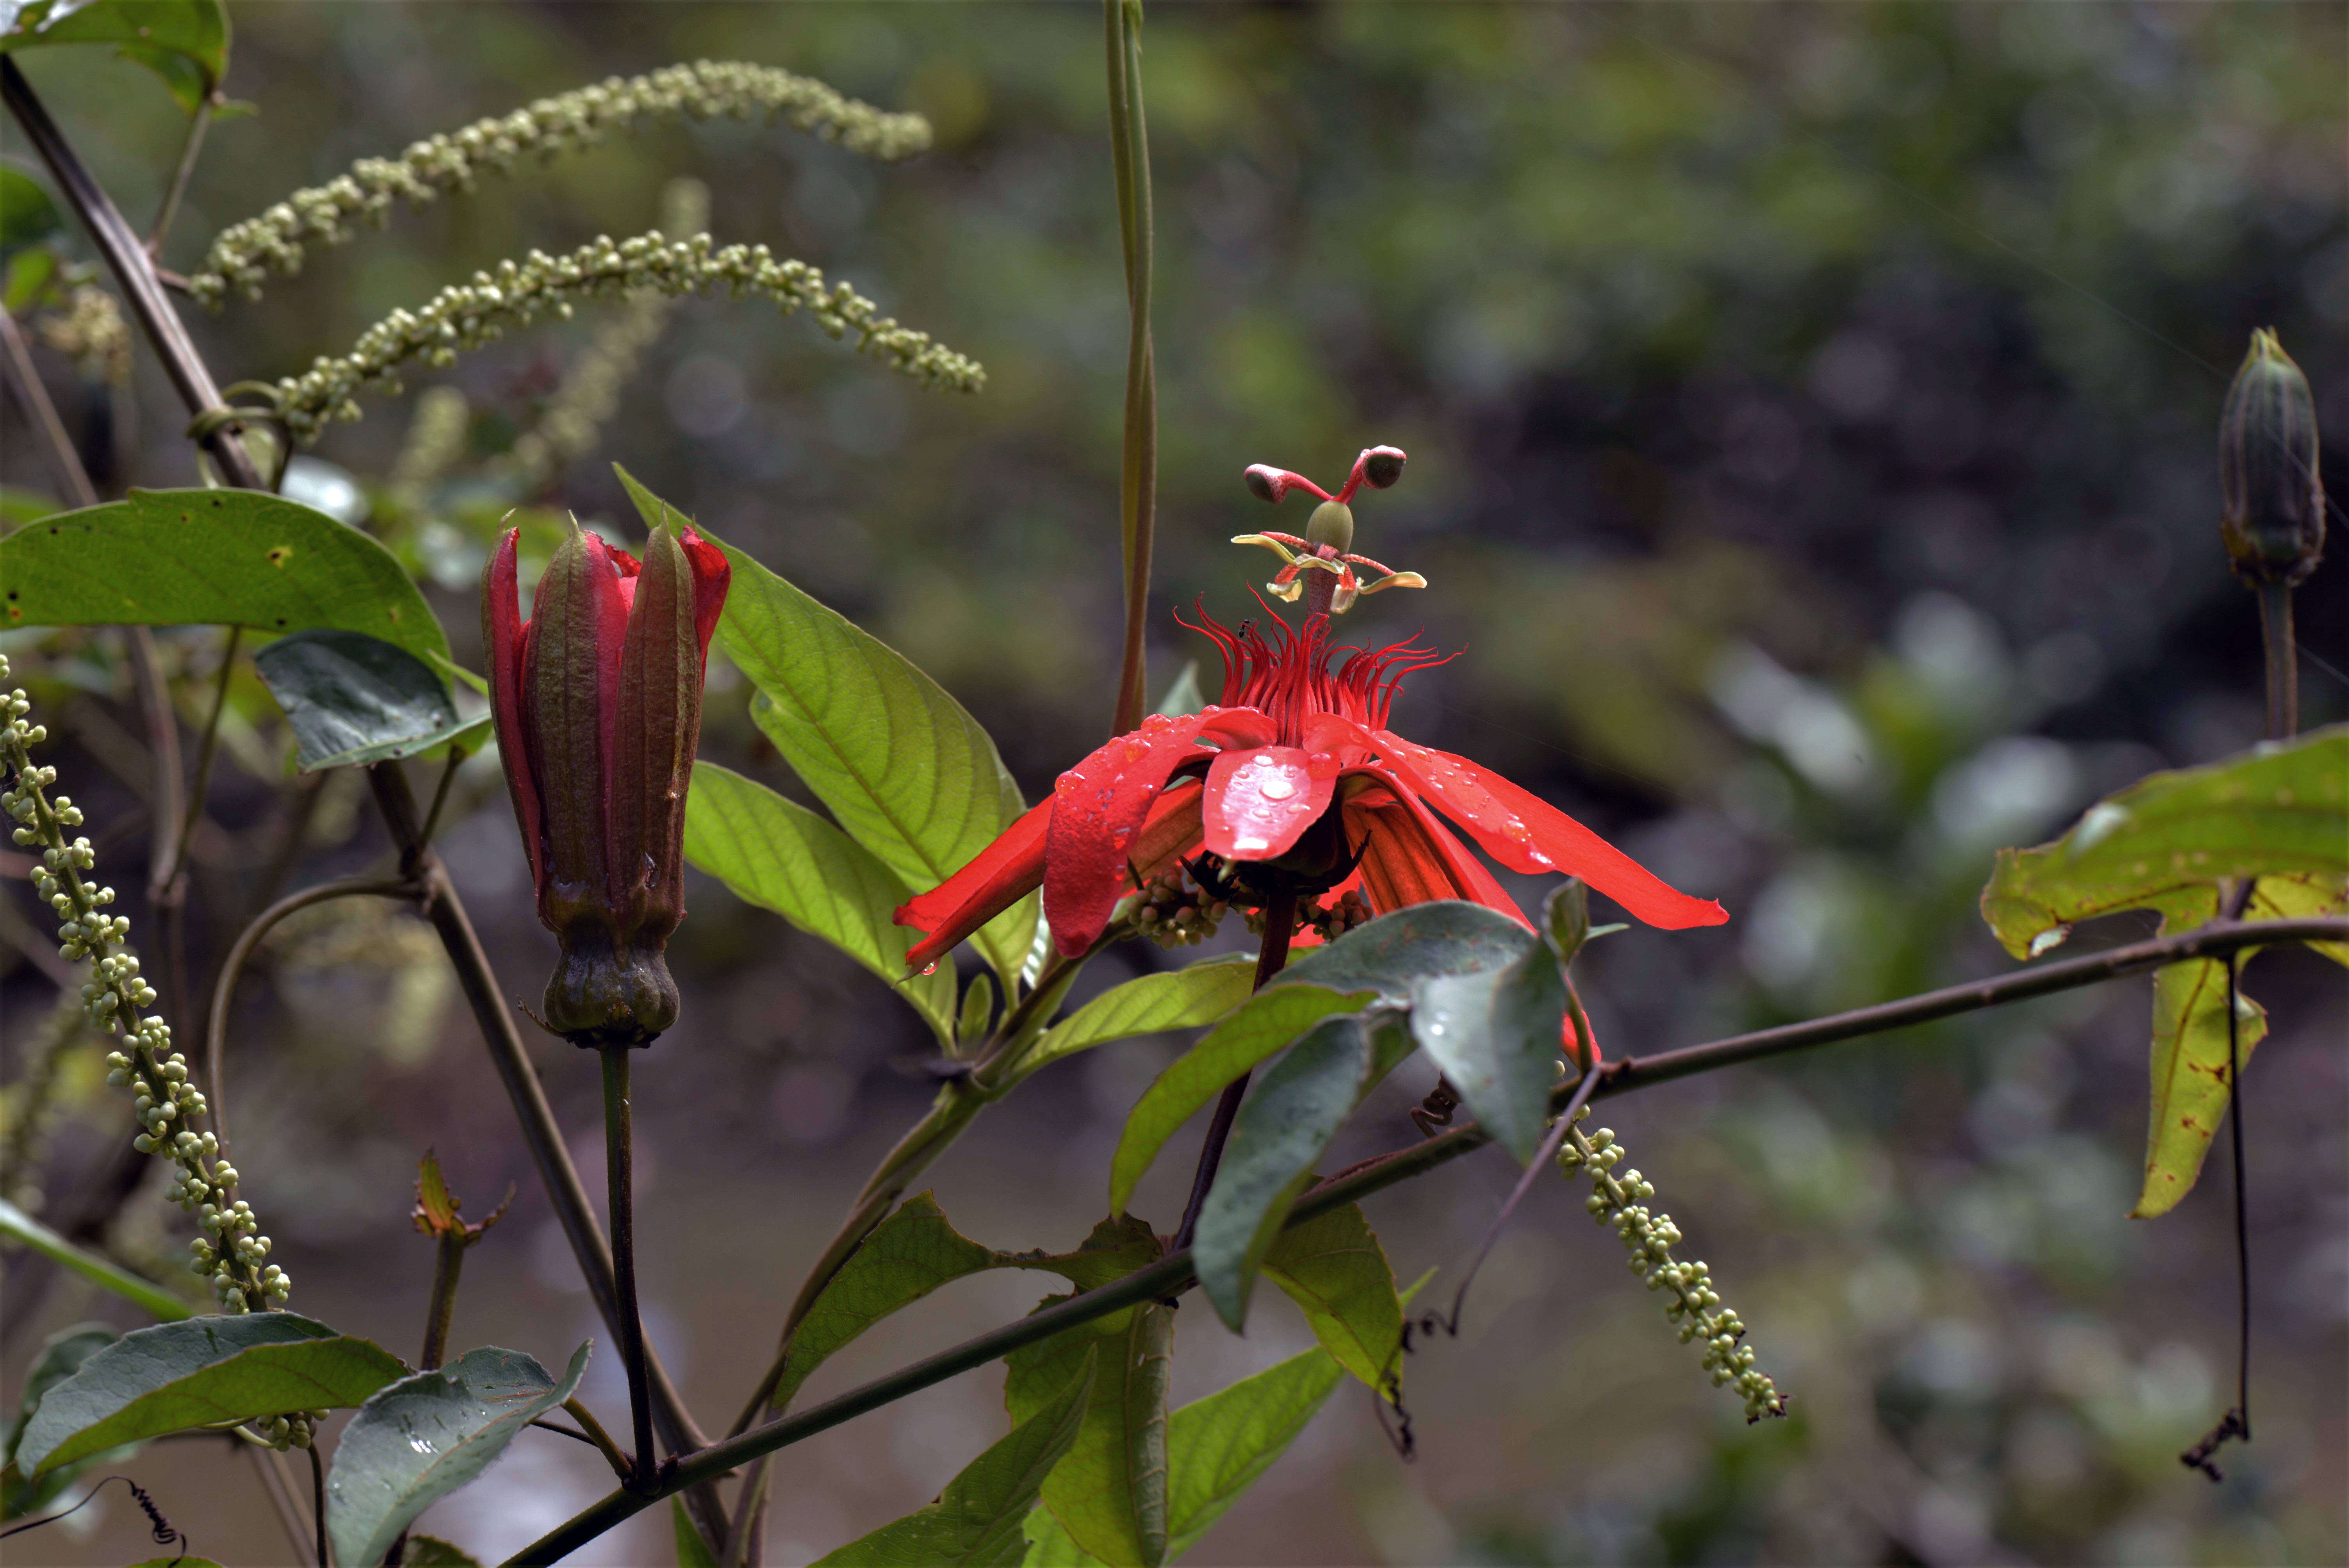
(1811, 411)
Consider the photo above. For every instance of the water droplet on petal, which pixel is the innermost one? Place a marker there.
(1515, 829)
(929, 969)
(1280, 787)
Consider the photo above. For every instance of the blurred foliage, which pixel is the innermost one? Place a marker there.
(1811, 411)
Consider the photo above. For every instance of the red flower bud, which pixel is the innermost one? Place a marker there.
(597, 700)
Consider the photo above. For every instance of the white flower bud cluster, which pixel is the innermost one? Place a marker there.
(465, 316)
(92, 332)
(1649, 1237)
(1174, 911)
(157, 1076)
(245, 255)
(294, 1432)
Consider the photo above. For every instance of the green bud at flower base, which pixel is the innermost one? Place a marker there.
(597, 701)
(1332, 523)
(2272, 520)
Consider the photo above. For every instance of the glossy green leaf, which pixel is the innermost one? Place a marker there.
(60, 1356)
(975, 1523)
(354, 699)
(1333, 1268)
(200, 1372)
(1110, 1492)
(692, 1551)
(1388, 955)
(1263, 1025)
(99, 1271)
(903, 767)
(780, 856)
(185, 42)
(216, 557)
(1282, 1128)
(1496, 1035)
(2280, 814)
(26, 213)
(1216, 1449)
(1180, 999)
(417, 1441)
(431, 1551)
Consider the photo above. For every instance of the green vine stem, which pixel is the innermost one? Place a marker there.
(465, 316)
(116, 998)
(246, 253)
(1138, 462)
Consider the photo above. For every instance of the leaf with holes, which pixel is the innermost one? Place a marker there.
(1181, 999)
(417, 1441)
(976, 1521)
(2279, 814)
(1265, 1024)
(212, 558)
(905, 772)
(200, 1372)
(354, 699)
(781, 856)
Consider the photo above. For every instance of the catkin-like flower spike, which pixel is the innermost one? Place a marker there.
(465, 316)
(246, 253)
(1649, 1237)
(233, 1253)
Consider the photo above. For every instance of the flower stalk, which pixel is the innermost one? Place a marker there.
(1128, 135)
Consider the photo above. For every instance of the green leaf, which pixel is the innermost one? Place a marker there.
(28, 273)
(781, 856)
(1283, 1127)
(201, 1372)
(212, 558)
(431, 1551)
(1264, 1024)
(907, 773)
(1333, 1267)
(185, 42)
(1181, 999)
(26, 213)
(1497, 1035)
(908, 1255)
(1390, 954)
(60, 1356)
(692, 1551)
(976, 1520)
(2278, 814)
(354, 699)
(1110, 1492)
(19, 507)
(1221, 1444)
(160, 1303)
(417, 1441)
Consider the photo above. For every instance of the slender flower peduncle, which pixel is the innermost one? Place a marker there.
(1319, 568)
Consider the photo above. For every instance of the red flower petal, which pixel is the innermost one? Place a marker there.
(712, 573)
(501, 640)
(998, 877)
(1098, 806)
(1525, 833)
(1259, 801)
(1409, 858)
(1172, 831)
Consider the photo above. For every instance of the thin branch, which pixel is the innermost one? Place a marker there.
(207, 746)
(595, 1434)
(1172, 1273)
(198, 123)
(281, 1502)
(209, 1066)
(1138, 460)
(26, 378)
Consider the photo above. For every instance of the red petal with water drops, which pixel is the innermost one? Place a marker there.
(1260, 802)
(1525, 833)
(1172, 833)
(1098, 807)
(998, 877)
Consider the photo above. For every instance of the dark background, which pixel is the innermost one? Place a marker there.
(1811, 411)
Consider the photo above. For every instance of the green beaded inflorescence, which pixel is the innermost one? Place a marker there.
(234, 1254)
(246, 253)
(1649, 1237)
(465, 316)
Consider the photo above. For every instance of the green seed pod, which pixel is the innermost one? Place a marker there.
(1332, 523)
(2273, 521)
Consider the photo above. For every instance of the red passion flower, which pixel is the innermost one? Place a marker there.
(1290, 784)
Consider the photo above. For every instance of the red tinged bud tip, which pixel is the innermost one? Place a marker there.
(597, 703)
